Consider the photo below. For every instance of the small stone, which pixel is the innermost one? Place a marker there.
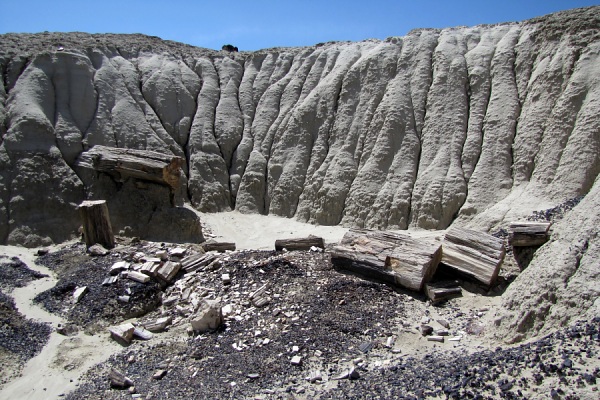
(43, 251)
(442, 332)
(296, 360)
(159, 374)
(426, 330)
(444, 323)
(253, 376)
(295, 349)
(366, 347)
(425, 320)
(353, 374)
(226, 279)
(227, 310)
(97, 250)
(315, 376)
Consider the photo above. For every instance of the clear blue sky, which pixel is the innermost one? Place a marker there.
(252, 25)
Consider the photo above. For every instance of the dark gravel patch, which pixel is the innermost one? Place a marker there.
(20, 337)
(555, 365)
(99, 306)
(14, 273)
(555, 213)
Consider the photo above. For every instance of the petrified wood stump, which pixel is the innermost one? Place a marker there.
(96, 223)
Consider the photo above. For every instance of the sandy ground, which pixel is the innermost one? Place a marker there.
(58, 366)
(259, 232)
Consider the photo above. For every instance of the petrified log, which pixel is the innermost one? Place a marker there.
(528, 233)
(392, 257)
(299, 243)
(142, 164)
(474, 253)
(96, 223)
(221, 247)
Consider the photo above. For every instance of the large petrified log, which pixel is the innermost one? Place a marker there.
(474, 253)
(141, 164)
(526, 233)
(392, 257)
(96, 223)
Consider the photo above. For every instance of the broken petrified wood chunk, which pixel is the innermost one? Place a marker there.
(528, 233)
(118, 379)
(440, 291)
(122, 333)
(299, 243)
(142, 333)
(158, 325)
(207, 317)
(197, 262)
(392, 257)
(168, 271)
(259, 297)
(137, 276)
(473, 253)
(79, 293)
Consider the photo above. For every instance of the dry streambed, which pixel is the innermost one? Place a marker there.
(40, 362)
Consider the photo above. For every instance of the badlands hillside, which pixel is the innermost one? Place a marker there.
(467, 126)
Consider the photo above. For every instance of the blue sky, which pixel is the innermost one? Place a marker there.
(257, 24)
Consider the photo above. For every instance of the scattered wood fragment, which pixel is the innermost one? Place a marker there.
(159, 324)
(118, 379)
(392, 257)
(474, 253)
(435, 338)
(299, 243)
(122, 333)
(197, 261)
(440, 291)
(527, 233)
(221, 247)
(142, 333)
(137, 276)
(96, 224)
(168, 271)
(79, 293)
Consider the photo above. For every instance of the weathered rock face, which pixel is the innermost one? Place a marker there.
(447, 126)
